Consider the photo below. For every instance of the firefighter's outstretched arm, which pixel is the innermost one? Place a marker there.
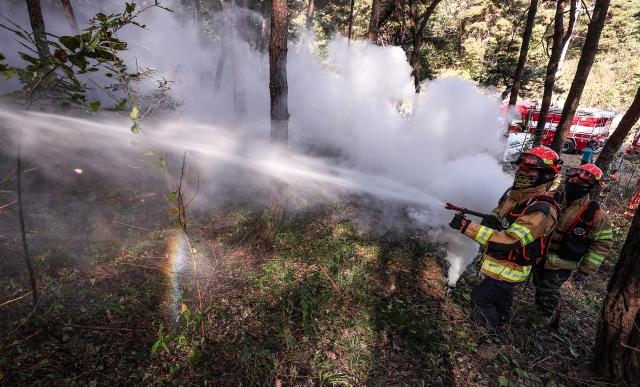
(526, 229)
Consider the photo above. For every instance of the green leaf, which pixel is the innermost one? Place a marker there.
(79, 61)
(149, 153)
(522, 373)
(503, 381)
(131, 7)
(9, 72)
(93, 106)
(135, 128)
(120, 104)
(154, 347)
(172, 196)
(28, 58)
(135, 113)
(101, 17)
(70, 42)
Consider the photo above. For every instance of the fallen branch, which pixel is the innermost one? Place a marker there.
(15, 299)
(335, 286)
(101, 328)
(126, 224)
(21, 341)
(8, 204)
(623, 344)
(155, 268)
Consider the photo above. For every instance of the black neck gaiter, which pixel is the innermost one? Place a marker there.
(574, 191)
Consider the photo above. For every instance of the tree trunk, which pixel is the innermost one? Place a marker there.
(71, 17)
(552, 66)
(617, 349)
(310, 11)
(589, 50)
(418, 38)
(37, 26)
(278, 89)
(351, 21)
(576, 8)
(524, 51)
(373, 22)
(612, 146)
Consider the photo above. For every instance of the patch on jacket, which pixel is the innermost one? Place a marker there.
(579, 231)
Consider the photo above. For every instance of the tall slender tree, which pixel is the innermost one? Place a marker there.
(612, 146)
(576, 10)
(554, 59)
(418, 28)
(373, 22)
(278, 88)
(589, 50)
(71, 17)
(524, 51)
(617, 349)
(311, 9)
(38, 28)
(353, 2)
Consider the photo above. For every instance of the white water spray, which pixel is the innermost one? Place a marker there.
(447, 150)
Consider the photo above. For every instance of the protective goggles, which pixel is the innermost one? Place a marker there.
(583, 175)
(533, 161)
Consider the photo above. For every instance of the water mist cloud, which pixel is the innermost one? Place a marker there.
(345, 101)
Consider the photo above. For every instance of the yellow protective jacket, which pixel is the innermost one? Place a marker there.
(510, 253)
(582, 239)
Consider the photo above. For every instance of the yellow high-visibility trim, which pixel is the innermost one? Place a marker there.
(483, 235)
(506, 272)
(594, 258)
(602, 235)
(555, 260)
(523, 233)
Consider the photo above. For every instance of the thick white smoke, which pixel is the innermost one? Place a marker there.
(446, 150)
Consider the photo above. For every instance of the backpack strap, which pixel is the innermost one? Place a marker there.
(504, 196)
(585, 218)
(541, 203)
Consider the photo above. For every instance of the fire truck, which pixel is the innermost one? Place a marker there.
(587, 124)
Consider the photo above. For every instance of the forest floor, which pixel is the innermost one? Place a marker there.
(327, 301)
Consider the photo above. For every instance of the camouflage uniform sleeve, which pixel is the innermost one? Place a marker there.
(523, 231)
(601, 235)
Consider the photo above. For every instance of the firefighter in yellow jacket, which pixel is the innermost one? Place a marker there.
(525, 215)
(580, 242)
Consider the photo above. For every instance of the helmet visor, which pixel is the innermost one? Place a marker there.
(529, 160)
(581, 174)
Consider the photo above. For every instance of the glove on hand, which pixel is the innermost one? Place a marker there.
(580, 276)
(492, 222)
(459, 222)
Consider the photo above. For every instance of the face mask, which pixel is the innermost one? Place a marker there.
(522, 181)
(575, 191)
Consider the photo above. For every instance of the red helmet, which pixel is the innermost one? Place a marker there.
(587, 172)
(540, 157)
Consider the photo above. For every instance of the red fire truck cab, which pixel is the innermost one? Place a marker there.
(587, 124)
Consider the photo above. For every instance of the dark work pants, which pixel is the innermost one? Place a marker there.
(492, 300)
(548, 284)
